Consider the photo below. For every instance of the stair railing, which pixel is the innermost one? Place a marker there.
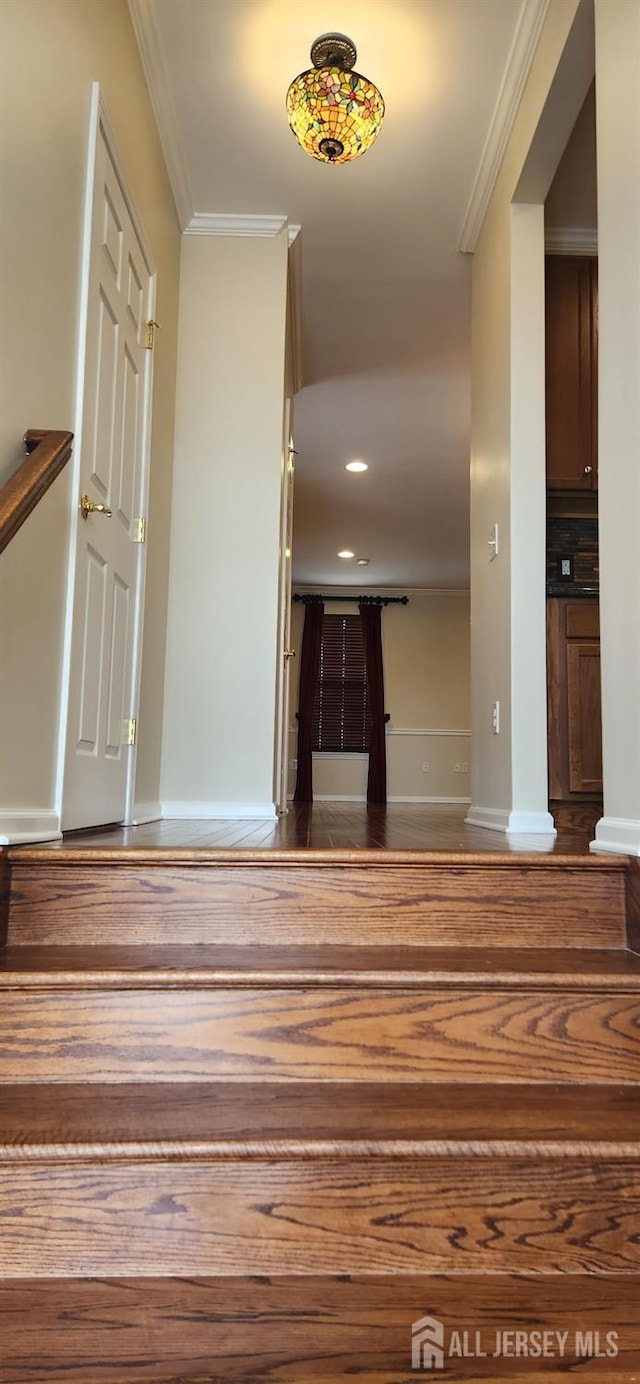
(47, 453)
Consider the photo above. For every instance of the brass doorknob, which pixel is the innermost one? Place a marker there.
(587, 470)
(88, 507)
(289, 653)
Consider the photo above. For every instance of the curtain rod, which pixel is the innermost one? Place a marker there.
(314, 599)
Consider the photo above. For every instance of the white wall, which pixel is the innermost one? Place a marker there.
(507, 443)
(426, 670)
(218, 749)
(52, 53)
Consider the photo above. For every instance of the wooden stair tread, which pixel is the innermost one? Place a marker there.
(295, 1329)
(202, 965)
(249, 1119)
(61, 854)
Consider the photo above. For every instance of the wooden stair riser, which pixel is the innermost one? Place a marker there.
(325, 1216)
(409, 905)
(285, 1330)
(453, 1034)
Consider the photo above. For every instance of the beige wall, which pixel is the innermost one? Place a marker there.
(52, 52)
(618, 135)
(507, 459)
(426, 670)
(221, 655)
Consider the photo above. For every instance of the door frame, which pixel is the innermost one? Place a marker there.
(283, 674)
(99, 123)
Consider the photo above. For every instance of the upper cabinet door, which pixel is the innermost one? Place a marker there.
(571, 373)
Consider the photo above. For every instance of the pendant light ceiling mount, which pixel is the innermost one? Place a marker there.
(334, 112)
(334, 50)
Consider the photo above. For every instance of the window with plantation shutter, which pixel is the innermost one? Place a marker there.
(341, 713)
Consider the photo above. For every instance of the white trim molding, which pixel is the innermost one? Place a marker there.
(531, 824)
(571, 240)
(146, 812)
(402, 798)
(512, 823)
(494, 818)
(28, 825)
(518, 66)
(617, 835)
(227, 223)
(210, 811)
(391, 730)
(294, 309)
(155, 71)
(391, 798)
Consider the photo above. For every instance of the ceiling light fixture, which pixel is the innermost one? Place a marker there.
(335, 113)
(346, 552)
(362, 562)
(356, 466)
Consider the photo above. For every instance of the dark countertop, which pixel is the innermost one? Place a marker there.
(572, 590)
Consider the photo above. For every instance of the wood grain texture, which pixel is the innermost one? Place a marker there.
(571, 448)
(5, 885)
(632, 886)
(203, 966)
(584, 716)
(297, 1330)
(324, 1216)
(314, 1119)
(475, 1034)
(322, 900)
(47, 453)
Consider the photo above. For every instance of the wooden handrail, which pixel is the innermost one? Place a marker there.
(47, 453)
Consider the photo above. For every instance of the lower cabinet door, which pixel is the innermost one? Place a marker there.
(584, 716)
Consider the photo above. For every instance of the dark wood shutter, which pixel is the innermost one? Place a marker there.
(340, 718)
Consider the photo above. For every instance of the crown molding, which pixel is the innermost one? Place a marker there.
(571, 240)
(154, 67)
(226, 223)
(525, 40)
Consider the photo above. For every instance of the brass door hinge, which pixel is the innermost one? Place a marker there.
(139, 534)
(129, 731)
(152, 328)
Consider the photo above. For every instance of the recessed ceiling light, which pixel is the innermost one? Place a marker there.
(346, 552)
(356, 466)
(362, 562)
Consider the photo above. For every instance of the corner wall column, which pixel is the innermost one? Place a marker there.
(618, 153)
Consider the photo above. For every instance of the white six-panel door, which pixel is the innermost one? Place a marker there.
(109, 559)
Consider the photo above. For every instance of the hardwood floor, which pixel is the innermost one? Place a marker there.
(346, 826)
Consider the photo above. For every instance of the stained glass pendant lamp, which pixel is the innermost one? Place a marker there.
(334, 112)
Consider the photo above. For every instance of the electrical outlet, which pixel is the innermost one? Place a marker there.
(495, 718)
(425, 767)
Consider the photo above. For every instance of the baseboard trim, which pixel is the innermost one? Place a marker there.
(617, 836)
(512, 823)
(339, 798)
(146, 812)
(531, 824)
(208, 811)
(396, 798)
(27, 826)
(493, 818)
(391, 798)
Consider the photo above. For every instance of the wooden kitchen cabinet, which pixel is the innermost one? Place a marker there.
(573, 698)
(571, 372)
